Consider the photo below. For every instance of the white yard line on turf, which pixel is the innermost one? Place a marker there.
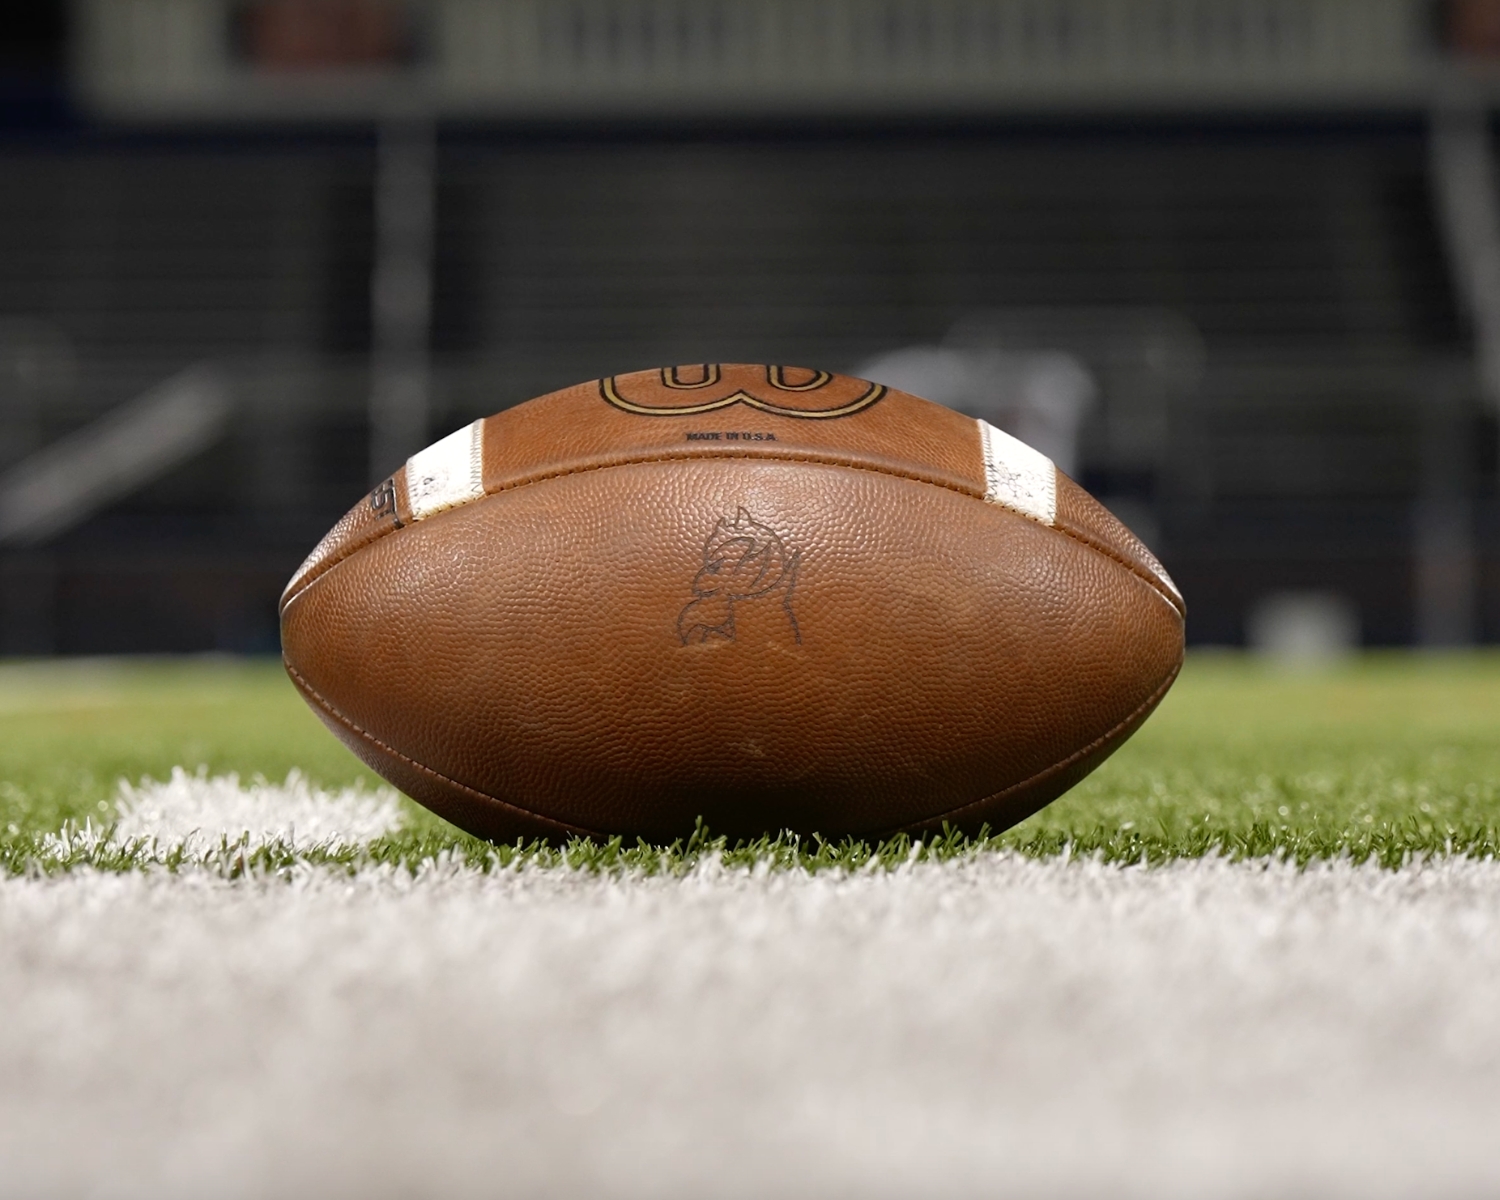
(991, 1026)
(198, 813)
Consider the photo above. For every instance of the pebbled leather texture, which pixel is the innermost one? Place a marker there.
(768, 597)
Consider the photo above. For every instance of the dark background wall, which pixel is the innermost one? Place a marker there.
(1303, 251)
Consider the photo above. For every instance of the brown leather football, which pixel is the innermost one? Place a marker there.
(769, 597)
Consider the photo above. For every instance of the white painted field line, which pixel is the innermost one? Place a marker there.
(998, 1026)
(198, 811)
(194, 816)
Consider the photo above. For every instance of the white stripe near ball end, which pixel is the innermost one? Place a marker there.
(1016, 476)
(448, 473)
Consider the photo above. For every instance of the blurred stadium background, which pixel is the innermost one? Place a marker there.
(1236, 262)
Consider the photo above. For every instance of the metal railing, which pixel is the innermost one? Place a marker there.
(176, 58)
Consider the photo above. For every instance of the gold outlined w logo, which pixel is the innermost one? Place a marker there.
(690, 391)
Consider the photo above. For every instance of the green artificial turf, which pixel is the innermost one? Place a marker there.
(1387, 755)
(1390, 754)
(69, 730)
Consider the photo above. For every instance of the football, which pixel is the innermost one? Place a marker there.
(772, 598)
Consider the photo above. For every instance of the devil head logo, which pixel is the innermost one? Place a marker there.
(744, 562)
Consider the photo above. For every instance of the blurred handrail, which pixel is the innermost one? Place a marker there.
(1467, 191)
(176, 58)
(63, 484)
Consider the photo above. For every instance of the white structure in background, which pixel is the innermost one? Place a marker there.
(64, 483)
(1039, 396)
(1303, 629)
(401, 291)
(1464, 182)
(1055, 377)
(176, 59)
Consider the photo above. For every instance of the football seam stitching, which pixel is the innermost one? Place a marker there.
(829, 460)
(1143, 574)
(1145, 706)
(333, 712)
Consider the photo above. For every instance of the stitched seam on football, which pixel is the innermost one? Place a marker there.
(685, 455)
(326, 706)
(1082, 535)
(691, 455)
(1140, 711)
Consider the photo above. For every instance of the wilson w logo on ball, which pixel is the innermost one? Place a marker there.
(744, 562)
(799, 392)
